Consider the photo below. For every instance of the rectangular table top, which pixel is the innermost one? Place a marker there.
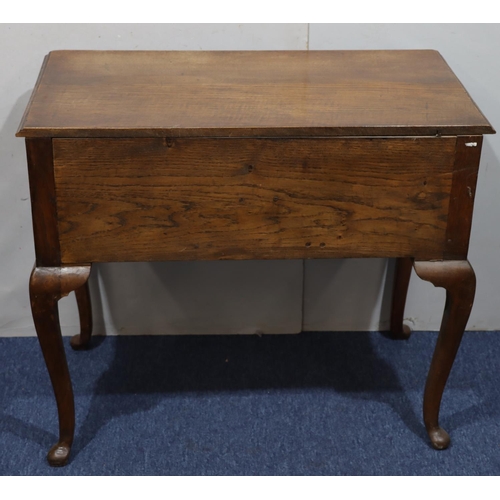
(249, 94)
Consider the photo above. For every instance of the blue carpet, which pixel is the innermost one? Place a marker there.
(308, 404)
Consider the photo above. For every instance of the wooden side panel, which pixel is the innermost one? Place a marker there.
(43, 202)
(185, 199)
(468, 154)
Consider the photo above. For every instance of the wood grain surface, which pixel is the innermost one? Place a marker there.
(186, 199)
(463, 191)
(43, 201)
(249, 94)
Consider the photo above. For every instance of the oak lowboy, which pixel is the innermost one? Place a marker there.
(151, 156)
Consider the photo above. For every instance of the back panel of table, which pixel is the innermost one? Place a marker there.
(149, 199)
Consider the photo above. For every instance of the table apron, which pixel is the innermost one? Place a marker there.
(145, 199)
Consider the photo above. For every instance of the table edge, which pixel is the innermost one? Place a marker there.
(257, 132)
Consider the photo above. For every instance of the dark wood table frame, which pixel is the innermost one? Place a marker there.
(150, 156)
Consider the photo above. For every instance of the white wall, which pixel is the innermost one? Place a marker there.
(241, 297)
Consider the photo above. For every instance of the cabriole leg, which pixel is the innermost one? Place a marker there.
(47, 286)
(459, 280)
(82, 340)
(402, 275)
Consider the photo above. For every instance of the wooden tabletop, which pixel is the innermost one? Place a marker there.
(249, 94)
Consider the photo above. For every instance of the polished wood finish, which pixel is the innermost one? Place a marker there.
(467, 155)
(459, 280)
(402, 274)
(43, 202)
(185, 199)
(249, 94)
(141, 156)
(47, 286)
(82, 340)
